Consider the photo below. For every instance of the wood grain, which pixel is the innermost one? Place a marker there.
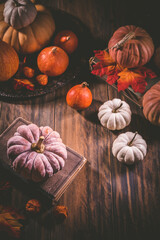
(107, 200)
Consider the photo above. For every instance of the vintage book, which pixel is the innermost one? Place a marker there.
(54, 186)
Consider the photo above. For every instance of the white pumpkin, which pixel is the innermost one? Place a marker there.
(115, 114)
(129, 147)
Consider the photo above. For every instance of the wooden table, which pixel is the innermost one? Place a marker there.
(107, 200)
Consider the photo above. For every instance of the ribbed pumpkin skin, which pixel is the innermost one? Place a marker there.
(135, 52)
(31, 38)
(31, 164)
(9, 61)
(19, 13)
(151, 104)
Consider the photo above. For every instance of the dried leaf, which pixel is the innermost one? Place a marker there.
(10, 221)
(136, 78)
(19, 83)
(99, 70)
(105, 58)
(111, 79)
(146, 72)
(139, 85)
(131, 78)
(60, 213)
(33, 206)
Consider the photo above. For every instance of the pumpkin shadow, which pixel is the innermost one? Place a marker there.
(149, 131)
(91, 113)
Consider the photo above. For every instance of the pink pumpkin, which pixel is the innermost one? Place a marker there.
(36, 153)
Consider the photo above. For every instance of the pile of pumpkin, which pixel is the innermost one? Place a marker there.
(26, 28)
(132, 47)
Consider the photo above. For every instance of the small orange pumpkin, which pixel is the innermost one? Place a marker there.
(79, 97)
(52, 61)
(131, 46)
(67, 40)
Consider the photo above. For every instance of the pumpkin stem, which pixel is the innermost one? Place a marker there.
(39, 146)
(17, 4)
(127, 37)
(115, 110)
(54, 49)
(85, 84)
(65, 38)
(129, 144)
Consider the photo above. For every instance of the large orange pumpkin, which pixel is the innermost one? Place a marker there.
(131, 46)
(31, 38)
(151, 104)
(9, 61)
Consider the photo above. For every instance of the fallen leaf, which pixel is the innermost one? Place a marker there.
(123, 77)
(19, 83)
(146, 72)
(60, 213)
(139, 85)
(130, 78)
(104, 56)
(10, 221)
(99, 70)
(111, 79)
(33, 206)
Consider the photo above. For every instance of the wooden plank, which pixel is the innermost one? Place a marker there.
(135, 189)
(107, 200)
(89, 197)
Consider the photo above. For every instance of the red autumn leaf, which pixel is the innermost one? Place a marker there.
(97, 66)
(19, 83)
(139, 85)
(111, 79)
(10, 221)
(146, 72)
(122, 76)
(130, 78)
(99, 70)
(105, 58)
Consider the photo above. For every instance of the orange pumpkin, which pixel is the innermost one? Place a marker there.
(31, 38)
(79, 97)
(67, 40)
(9, 61)
(52, 61)
(131, 46)
(151, 104)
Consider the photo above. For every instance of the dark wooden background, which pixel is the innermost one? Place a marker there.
(107, 200)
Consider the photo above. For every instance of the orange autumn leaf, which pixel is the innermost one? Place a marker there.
(130, 78)
(104, 57)
(19, 83)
